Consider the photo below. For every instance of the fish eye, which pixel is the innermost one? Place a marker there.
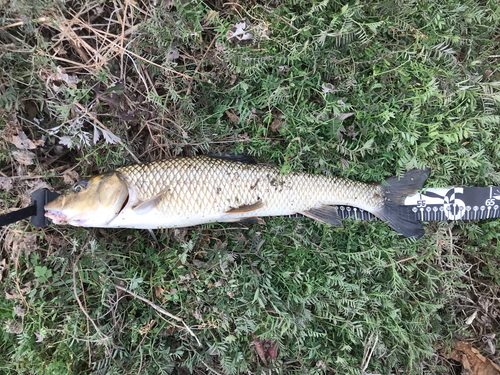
(79, 186)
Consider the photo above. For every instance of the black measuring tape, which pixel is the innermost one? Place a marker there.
(39, 198)
(433, 204)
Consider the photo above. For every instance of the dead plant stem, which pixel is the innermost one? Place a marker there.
(160, 310)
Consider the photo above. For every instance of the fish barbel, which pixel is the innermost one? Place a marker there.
(182, 192)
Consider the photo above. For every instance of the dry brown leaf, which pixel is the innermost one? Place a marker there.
(6, 184)
(55, 80)
(209, 16)
(472, 361)
(265, 348)
(70, 177)
(159, 293)
(276, 124)
(19, 139)
(259, 348)
(24, 157)
(13, 326)
(17, 294)
(233, 78)
(14, 134)
(234, 119)
(17, 241)
(146, 327)
(3, 268)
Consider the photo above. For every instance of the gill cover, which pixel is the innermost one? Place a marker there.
(92, 203)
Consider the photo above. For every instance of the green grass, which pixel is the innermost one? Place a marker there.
(361, 89)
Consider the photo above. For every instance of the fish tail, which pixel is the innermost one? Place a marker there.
(394, 191)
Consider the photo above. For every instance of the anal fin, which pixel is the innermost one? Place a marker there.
(325, 214)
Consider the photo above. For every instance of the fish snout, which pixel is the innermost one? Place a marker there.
(56, 216)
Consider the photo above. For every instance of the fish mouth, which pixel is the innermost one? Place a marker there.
(56, 216)
(59, 217)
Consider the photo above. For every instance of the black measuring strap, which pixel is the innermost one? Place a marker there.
(14, 216)
(39, 198)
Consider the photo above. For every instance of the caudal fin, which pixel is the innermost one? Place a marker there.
(394, 192)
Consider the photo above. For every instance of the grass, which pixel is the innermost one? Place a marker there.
(361, 89)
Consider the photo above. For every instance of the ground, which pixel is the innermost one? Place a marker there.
(360, 89)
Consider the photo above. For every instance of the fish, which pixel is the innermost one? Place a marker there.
(188, 191)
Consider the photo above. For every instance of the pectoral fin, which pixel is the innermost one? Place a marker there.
(325, 214)
(246, 208)
(144, 207)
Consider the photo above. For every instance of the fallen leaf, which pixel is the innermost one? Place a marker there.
(55, 80)
(327, 88)
(19, 310)
(276, 124)
(197, 314)
(31, 186)
(232, 117)
(6, 184)
(472, 361)
(146, 327)
(343, 116)
(13, 293)
(173, 54)
(3, 268)
(272, 350)
(13, 326)
(210, 15)
(471, 318)
(14, 134)
(18, 139)
(24, 157)
(239, 31)
(265, 348)
(489, 339)
(233, 78)
(16, 242)
(39, 336)
(70, 177)
(283, 69)
(159, 293)
(259, 348)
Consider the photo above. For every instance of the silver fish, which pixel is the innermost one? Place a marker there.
(183, 192)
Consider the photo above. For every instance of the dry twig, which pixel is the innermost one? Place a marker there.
(199, 63)
(109, 131)
(104, 337)
(160, 310)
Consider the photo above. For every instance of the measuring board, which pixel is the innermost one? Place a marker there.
(433, 204)
(441, 204)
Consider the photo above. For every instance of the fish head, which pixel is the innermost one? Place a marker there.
(92, 203)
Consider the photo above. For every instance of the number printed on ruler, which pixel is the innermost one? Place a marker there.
(458, 203)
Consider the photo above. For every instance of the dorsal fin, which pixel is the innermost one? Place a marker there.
(242, 158)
